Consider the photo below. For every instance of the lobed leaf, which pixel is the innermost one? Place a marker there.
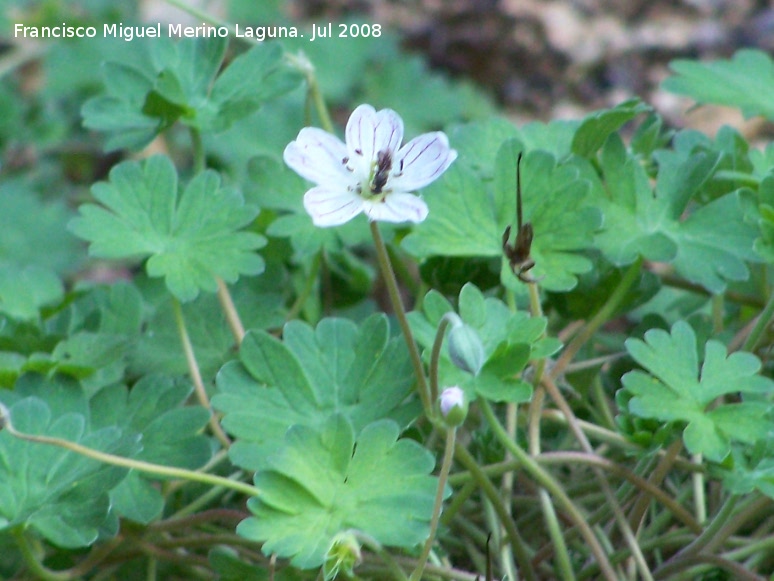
(190, 238)
(745, 81)
(675, 390)
(61, 495)
(510, 339)
(555, 202)
(338, 367)
(708, 245)
(322, 481)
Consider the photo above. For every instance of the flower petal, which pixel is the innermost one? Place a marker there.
(331, 207)
(319, 157)
(397, 207)
(369, 132)
(424, 159)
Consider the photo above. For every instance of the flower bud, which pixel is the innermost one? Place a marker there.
(453, 406)
(343, 556)
(465, 348)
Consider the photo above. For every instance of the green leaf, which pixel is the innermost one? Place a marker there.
(708, 245)
(322, 481)
(745, 82)
(764, 245)
(170, 82)
(596, 128)
(510, 339)
(477, 144)
(24, 291)
(61, 495)
(675, 390)
(313, 373)
(273, 185)
(33, 233)
(171, 436)
(500, 380)
(555, 202)
(753, 469)
(253, 78)
(11, 366)
(157, 348)
(191, 238)
(83, 353)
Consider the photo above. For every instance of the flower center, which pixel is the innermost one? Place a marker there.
(375, 186)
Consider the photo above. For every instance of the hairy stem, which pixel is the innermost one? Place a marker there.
(517, 542)
(142, 466)
(604, 313)
(196, 376)
(229, 309)
(554, 488)
(400, 313)
(448, 454)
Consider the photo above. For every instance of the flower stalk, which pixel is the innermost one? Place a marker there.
(400, 313)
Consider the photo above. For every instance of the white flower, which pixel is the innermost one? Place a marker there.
(371, 173)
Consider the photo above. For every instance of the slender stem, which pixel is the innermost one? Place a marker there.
(535, 308)
(604, 313)
(402, 272)
(562, 555)
(718, 311)
(435, 356)
(224, 296)
(637, 513)
(306, 291)
(553, 487)
(35, 567)
(140, 465)
(669, 279)
(563, 563)
(448, 454)
(705, 538)
(197, 149)
(317, 99)
(400, 313)
(763, 321)
(196, 376)
(740, 573)
(232, 316)
(699, 498)
(517, 542)
(618, 513)
(653, 491)
(203, 500)
(460, 497)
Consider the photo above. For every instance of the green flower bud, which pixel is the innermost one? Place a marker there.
(454, 407)
(343, 556)
(465, 348)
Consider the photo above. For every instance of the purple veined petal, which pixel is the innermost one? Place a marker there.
(331, 207)
(424, 159)
(319, 157)
(369, 132)
(389, 132)
(397, 207)
(360, 132)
